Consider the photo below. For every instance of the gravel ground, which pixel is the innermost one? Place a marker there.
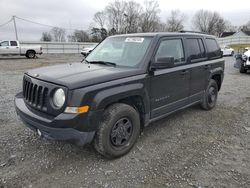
(192, 148)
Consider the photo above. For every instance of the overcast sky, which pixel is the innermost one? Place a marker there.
(78, 14)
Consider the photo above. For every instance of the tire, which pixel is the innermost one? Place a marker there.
(118, 131)
(210, 97)
(242, 69)
(30, 54)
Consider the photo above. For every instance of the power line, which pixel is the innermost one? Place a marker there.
(6, 22)
(45, 25)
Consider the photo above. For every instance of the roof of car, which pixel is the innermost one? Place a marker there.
(161, 34)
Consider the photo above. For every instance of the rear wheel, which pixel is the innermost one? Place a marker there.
(242, 68)
(210, 96)
(30, 54)
(118, 131)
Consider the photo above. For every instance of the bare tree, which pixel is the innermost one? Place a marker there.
(46, 36)
(150, 17)
(58, 34)
(209, 22)
(116, 12)
(175, 21)
(245, 27)
(100, 19)
(133, 12)
(78, 36)
(248, 25)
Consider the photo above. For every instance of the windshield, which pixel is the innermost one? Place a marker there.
(123, 51)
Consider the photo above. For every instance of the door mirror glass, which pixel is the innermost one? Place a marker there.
(163, 62)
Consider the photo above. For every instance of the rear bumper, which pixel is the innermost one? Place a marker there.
(47, 125)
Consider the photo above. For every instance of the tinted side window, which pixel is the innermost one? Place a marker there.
(171, 48)
(213, 48)
(196, 49)
(13, 43)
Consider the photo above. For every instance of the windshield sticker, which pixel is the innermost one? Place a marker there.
(134, 39)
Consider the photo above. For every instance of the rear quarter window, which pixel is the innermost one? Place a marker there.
(213, 49)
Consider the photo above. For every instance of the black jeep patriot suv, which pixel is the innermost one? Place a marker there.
(124, 84)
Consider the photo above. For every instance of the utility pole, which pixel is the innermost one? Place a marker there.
(14, 20)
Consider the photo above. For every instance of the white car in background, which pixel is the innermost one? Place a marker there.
(13, 47)
(243, 61)
(227, 51)
(86, 50)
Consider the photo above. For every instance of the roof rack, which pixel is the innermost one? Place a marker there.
(184, 31)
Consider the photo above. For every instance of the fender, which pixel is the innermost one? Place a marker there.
(111, 95)
(217, 71)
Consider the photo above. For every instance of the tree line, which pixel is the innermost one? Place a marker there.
(121, 17)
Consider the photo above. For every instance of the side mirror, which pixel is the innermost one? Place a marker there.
(221, 53)
(163, 62)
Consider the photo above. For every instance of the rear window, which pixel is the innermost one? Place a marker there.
(196, 48)
(213, 48)
(13, 43)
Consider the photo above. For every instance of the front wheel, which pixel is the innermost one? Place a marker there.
(118, 131)
(210, 97)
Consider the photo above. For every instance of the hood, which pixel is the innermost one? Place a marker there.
(77, 75)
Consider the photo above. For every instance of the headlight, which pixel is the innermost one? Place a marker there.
(59, 98)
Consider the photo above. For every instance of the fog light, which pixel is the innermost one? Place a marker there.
(77, 110)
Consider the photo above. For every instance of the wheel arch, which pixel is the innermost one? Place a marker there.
(132, 94)
(218, 78)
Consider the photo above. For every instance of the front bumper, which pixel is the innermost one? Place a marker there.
(64, 127)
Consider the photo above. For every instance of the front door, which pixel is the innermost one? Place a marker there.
(169, 88)
(4, 47)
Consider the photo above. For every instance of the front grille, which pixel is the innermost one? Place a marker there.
(35, 95)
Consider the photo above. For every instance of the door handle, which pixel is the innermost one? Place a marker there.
(184, 72)
(207, 66)
(7, 47)
(17, 47)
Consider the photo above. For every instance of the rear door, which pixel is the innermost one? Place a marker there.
(169, 88)
(4, 47)
(199, 67)
(14, 48)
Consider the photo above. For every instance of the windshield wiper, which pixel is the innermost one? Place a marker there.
(101, 62)
(84, 60)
